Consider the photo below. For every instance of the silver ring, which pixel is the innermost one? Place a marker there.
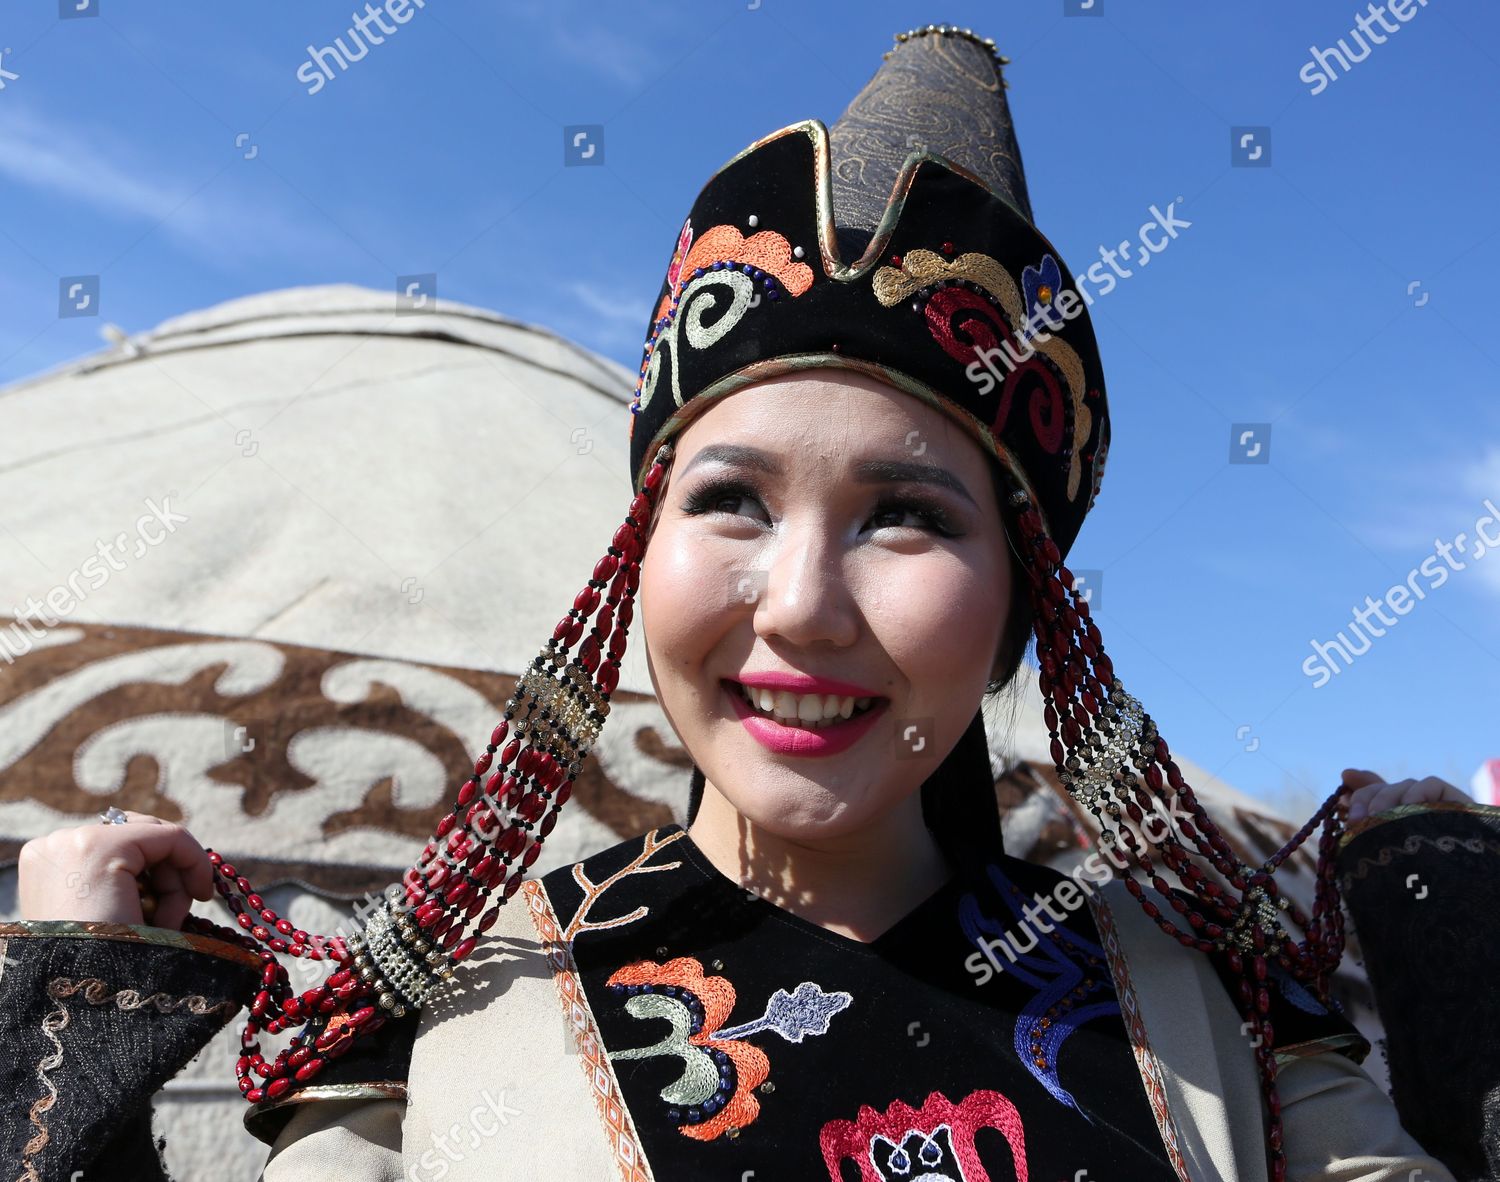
(113, 816)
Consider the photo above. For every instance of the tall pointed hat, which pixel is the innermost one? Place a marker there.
(900, 245)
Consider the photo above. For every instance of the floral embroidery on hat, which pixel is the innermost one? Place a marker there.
(684, 243)
(720, 257)
(971, 306)
(1041, 286)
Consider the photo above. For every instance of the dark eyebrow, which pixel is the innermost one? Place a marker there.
(866, 472)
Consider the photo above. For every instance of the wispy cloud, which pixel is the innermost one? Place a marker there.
(622, 53)
(604, 320)
(121, 180)
(1436, 503)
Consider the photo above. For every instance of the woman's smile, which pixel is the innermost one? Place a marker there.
(784, 729)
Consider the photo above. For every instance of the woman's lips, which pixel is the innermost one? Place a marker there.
(799, 740)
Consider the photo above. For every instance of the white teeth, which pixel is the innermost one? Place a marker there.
(812, 710)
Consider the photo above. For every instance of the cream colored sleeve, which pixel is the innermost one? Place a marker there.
(338, 1139)
(1339, 1126)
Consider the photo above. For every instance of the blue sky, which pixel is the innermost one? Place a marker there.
(170, 148)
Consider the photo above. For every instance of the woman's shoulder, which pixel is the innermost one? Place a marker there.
(1302, 1024)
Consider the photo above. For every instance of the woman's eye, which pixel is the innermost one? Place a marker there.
(713, 499)
(900, 513)
(893, 512)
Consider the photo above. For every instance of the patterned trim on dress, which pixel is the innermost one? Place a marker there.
(603, 1085)
(1318, 1046)
(1135, 1025)
(1397, 812)
(51, 1024)
(96, 992)
(134, 933)
(1444, 844)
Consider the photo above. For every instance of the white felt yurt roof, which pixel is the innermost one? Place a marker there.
(327, 449)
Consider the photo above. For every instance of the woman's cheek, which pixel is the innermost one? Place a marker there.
(685, 598)
(925, 619)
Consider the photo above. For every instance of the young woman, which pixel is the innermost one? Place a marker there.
(841, 541)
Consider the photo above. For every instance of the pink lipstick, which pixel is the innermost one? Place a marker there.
(799, 740)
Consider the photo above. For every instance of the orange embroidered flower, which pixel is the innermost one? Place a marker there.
(766, 250)
(667, 983)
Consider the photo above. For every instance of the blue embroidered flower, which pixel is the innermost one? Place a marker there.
(1041, 287)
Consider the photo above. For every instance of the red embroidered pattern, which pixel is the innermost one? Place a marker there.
(855, 1139)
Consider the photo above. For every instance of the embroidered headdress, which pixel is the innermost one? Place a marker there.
(899, 244)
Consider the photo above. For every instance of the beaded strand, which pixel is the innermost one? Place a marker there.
(1111, 758)
(479, 853)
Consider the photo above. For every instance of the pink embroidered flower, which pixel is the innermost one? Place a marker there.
(684, 243)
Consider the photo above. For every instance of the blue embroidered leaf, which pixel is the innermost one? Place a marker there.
(805, 1012)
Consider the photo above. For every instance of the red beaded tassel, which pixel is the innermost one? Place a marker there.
(479, 853)
(1098, 731)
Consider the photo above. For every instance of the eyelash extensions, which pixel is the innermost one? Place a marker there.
(702, 500)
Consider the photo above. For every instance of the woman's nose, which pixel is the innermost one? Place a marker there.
(806, 599)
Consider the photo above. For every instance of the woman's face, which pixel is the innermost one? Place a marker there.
(797, 537)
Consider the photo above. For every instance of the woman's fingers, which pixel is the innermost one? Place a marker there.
(172, 899)
(1373, 795)
(89, 872)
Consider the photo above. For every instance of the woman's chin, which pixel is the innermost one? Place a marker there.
(807, 814)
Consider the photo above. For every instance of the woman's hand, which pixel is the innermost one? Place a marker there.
(1374, 795)
(88, 872)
